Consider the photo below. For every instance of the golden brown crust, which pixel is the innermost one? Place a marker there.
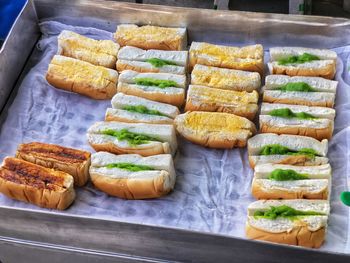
(327, 72)
(128, 188)
(31, 183)
(299, 236)
(72, 161)
(295, 101)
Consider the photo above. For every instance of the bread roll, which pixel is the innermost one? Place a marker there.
(72, 161)
(139, 138)
(250, 58)
(31, 183)
(98, 52)
(156, 176)
(214, 129)
(82, 77)
(151, 37)
(221, 78)
(241, 103)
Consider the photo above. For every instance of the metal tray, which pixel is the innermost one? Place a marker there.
(57, 237)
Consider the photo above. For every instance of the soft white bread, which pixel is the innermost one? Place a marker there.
(151, 37)
(241, 103)
(124, 110)
(215, 129)
(144, 67)
(82, 77)
(308, 231)
(222, 78)
(35, 184)
(292, 142)
(325, 67)
(98, 52)
(123, 183)
(72, 161)
(316, 186)
(319, 128)
(162, 138)
(250, 58)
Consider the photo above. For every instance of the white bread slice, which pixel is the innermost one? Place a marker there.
(299, 160)
(151, 37)
(137, 54)
(215, 129)
(307, 231)
(221, 78)
(130, 76)
(277, 53)
(98, 52)
(165, 134)
(133, 184)
(241, 103)
(144, 67)
(135, 117)
(250, 58)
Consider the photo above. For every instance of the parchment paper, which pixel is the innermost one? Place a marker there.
(213, 186)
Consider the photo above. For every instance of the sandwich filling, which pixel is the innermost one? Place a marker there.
(130, 167)
(132, 138)
(277, 149)
(301, 59)
(155, 82)
(142, 109)
(288, 113)
(297, 86)
(286, 175)
(284, 211)
(158, 63)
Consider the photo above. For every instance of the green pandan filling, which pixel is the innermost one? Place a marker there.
(155, 82)
(296, 86)
(142, 109)
(288, 113)
(306, 57)
(132, 138)
(130, 167)
(286, 175)
(284, 211)
(277, 149)
(158, 63)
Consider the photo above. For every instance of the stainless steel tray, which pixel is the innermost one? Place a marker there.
(57, 237)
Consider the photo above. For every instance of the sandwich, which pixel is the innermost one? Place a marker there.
(72, 161)
(241, 103)
(308, 91)
(316, 122)
(215, 129)
(139, 138)
(286, 149)
(131, 176)
(161, 87)
(127, 108)
(222, 78)
(78, 76)
(281, 181)
(35, 184)
(249, 58)
(151, 37)
(98, 52)
(299, 61)
(157, 61)
(298, 222)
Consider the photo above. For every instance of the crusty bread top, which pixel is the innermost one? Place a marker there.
(79, 70)
(71, 40)
(22, 172)
(213, 95)
(277, 53)
(293, 142)
(319, 112)
(121, 100)
(225, 78)
(53, 151)
(129, 76)
(317, 83)
(138, 54)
